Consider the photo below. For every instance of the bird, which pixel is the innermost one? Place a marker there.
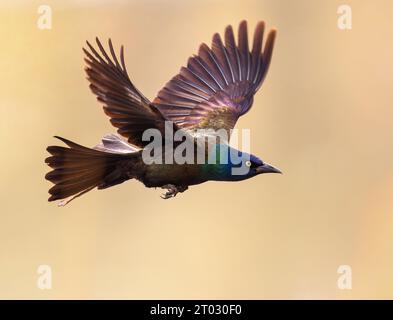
(214, 89)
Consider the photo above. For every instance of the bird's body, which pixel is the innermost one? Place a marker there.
(158, 175)
(211, 93)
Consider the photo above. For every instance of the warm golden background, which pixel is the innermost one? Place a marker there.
(324, 116)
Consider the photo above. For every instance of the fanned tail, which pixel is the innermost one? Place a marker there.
(77, 170)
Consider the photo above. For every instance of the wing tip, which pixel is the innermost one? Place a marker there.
(273, 31)
(243, 23)
(261, 24)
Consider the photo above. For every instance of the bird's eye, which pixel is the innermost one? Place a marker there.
(248, 163)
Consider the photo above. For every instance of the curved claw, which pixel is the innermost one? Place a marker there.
(172, 191)
(166, 195)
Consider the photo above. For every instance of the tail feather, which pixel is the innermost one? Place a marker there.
(77, 170)
(63, 175)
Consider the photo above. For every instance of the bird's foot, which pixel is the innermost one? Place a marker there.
(172, 190)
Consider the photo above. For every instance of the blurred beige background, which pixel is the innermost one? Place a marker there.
(324, 116)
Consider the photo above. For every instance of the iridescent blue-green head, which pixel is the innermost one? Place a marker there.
(228, 164)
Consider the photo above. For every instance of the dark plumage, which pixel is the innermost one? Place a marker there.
(214, 89)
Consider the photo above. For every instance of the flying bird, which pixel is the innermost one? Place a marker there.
(215, 88)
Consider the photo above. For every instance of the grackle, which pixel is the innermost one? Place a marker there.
(214, 89)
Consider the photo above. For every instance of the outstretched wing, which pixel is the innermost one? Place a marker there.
(219, 83)
(130, 111)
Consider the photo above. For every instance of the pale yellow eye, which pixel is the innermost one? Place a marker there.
(248, 163)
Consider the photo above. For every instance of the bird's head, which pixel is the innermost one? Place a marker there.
(235, 165)
(256, 166)
(251, 165)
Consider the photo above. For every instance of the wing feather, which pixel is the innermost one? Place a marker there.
(129, 110)
(219, 83)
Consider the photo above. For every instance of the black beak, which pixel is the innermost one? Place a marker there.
(267, 168)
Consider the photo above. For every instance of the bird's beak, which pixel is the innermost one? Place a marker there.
(267, 168)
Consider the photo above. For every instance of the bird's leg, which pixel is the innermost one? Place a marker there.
(172, 190)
